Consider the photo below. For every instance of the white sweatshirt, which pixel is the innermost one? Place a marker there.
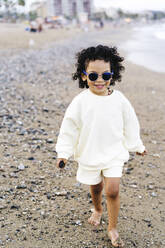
(97, 129)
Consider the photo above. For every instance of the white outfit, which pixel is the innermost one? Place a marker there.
(99, 130)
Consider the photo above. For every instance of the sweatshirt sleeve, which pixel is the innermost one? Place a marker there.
(69, 131)
(132, 140)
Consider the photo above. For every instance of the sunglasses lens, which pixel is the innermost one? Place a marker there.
(106, 76)
(93, 76)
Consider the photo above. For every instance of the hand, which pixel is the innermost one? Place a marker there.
(59, 160)
(141, 154)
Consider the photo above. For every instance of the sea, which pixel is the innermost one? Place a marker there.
(147, 46)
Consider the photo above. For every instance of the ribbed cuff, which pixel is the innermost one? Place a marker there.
(141, 149)
(63, 155)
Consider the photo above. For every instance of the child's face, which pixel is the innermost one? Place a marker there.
(98, 87)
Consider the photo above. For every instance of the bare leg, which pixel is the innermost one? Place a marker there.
(96, 194)
(113, 206)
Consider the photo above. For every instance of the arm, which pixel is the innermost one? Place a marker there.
(132, 140)
(69, 132)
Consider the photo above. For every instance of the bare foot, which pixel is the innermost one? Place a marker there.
(95, 218)
(115, 239)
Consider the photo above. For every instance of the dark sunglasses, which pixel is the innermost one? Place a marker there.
(93, 76)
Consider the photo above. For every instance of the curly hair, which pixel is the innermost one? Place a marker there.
(100, 52)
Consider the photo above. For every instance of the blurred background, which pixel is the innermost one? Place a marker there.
(51, 16)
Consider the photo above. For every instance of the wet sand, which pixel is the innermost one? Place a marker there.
(41, 206)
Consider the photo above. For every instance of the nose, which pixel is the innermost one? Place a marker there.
(99, 77)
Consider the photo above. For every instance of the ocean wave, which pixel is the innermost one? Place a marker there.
(146, 47)
(160, 35)
(159, 31)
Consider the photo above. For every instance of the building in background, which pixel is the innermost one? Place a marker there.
(66, 8)
(39, 6)
(69, 8)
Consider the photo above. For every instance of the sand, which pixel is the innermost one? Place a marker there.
(14, 36)
(42, 206)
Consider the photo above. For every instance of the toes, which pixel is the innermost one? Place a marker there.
(93, 222)
(95, 218)
(90, 221)
(118, 243)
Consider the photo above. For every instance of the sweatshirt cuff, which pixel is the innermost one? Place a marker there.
(63, 155)
(140, 149)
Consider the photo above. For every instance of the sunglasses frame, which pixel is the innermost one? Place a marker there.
(87, 74)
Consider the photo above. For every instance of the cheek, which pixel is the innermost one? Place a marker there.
(89, 83)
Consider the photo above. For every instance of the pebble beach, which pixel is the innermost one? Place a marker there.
(40, 205)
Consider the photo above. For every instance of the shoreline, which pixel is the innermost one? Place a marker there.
(49, 37)
(144, 48)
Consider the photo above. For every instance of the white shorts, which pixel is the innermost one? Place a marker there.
(93, 177)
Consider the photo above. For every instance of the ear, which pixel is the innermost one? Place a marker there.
(83, 77)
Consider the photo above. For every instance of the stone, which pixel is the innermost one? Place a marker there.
(156, 155)
(147, 220)
(78, 223)
(2, 169)
(151, 165)
(61, 193)
(150, 187)
(153, 194)
(49, 141)
(15, 207)
(133, 186)
(21, 167)
(31, 158)
(77, 185)
(2, 207)
(14, 175)
(21, 186)
(163, 242)
(128, 170)
(48, 195)
(154, 142)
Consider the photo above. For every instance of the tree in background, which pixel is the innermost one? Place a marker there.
(9, 7)
(9, 4)
(120, 13)
(21, 2)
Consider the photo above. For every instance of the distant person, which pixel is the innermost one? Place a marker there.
(101, 24)
(39, 22)
(40, 28)
(100, 128)
(33, 27)
(46, 20)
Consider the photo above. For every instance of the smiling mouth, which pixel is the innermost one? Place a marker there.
(99, 86)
